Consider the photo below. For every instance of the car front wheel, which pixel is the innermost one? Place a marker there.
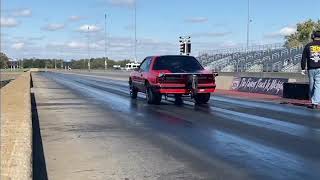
(133, 91)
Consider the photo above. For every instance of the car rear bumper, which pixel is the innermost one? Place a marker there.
(176, 89)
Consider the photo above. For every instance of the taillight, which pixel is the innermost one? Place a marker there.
(160, 78)
(161, 75)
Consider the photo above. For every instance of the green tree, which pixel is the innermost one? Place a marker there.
(303, 34)
(3, 61)
(124, 62)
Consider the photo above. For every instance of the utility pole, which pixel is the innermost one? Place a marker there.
(105, 43)
(135, 31)
(33, 59)
(61, 55)
(248, 26)
(88, 49)
(46, 65)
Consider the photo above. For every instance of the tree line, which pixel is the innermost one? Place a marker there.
(4, 61)
(95, 63)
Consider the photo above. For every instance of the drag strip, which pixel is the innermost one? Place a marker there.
(244, 138)
(263, 109)
(274, 124)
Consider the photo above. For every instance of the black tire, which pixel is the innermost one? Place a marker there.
(152, 97)
(178, 99)
(133, 91)
(202, 98)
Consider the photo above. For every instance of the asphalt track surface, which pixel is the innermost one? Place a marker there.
(228, 138)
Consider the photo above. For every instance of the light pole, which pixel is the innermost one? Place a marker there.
(248, 25)
(88, 48)
(135, 31)
(61, 56)
(33, 59)
(105, 43)
(46, 65)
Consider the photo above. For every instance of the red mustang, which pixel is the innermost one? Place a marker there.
(172, 75)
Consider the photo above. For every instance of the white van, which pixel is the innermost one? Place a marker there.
(116, 67)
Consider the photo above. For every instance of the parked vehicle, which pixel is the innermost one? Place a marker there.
(116, 67)
(172, 75)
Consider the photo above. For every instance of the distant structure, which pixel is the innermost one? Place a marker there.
(264, 58)
(14, 64)
(132, 66)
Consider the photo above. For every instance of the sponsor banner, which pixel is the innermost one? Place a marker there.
(272, 86)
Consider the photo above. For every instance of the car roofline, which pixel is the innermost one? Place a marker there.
(157, 56)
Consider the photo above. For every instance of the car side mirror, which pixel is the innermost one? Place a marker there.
(215, 74)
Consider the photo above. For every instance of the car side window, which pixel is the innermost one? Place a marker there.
(148, 64)
(143, 65)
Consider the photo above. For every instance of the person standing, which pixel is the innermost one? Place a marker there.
(311, 62)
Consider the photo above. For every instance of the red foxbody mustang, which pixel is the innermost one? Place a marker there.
(172, 75)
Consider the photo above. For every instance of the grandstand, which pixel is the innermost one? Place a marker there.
(267, 58)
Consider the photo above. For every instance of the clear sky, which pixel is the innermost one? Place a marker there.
(59, 28)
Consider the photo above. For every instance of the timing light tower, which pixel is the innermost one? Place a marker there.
(185, 45)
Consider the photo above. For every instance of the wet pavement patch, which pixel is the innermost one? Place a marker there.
(60, 104)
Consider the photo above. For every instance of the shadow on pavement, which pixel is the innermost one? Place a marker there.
(39, 162)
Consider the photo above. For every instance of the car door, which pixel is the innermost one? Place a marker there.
(138, 79)
(145, 72)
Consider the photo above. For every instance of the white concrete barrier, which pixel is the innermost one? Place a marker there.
(16, 130)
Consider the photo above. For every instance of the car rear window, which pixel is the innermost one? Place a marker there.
(177, 64)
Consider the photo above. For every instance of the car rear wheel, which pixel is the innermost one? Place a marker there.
(153, 97)
(178, 99)
(202, 98)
